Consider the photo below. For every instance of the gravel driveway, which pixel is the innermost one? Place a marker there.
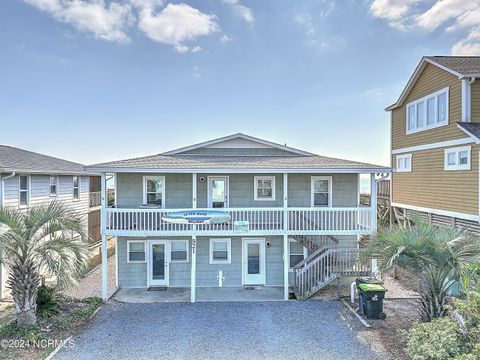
(257, 330)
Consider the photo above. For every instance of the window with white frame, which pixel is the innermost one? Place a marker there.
(76, 187)
(458, 158)
(297, 253)
(428, 112)
(321, 189)
(136, 251)
(404, 163)
(24, 190)
(179, 251)
(154, 190)
(53, 185)
(220, 251)
(264, 188)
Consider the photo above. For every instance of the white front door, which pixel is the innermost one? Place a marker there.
(253, 261)
(158, 263)
(218, 191)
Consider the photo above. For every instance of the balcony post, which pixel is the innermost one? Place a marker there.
(285, 237)
(103, 218)
(373, 203)
(193, 274)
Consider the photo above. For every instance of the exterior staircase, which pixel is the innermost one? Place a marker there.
(325, 265)
(315, 242)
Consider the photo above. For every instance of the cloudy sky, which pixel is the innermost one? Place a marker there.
(98, 80)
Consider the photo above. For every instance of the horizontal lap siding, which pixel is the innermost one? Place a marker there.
(135, 275)
(40, 193)
(476, 101)
(430, 186)
(431, 80)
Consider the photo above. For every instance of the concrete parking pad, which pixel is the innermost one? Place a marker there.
(270, 293)
(221, 330)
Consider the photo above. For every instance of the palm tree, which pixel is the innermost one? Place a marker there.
(46, 239)
(440, 255)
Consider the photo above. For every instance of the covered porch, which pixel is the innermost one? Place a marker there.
(203, 294)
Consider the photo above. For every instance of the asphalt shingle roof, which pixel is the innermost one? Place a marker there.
(19, 160)
(234, 162)
(465, 65)
(472, 128)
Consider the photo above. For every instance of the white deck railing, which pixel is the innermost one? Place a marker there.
(255, 221)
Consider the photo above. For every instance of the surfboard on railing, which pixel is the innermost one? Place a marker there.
(197, 217)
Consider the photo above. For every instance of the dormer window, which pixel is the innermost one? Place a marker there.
(428, 112)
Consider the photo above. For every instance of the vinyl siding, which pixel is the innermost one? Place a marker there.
(431, 80)
(40, 193)
(476, 101)
(178, 192)
(430, 186)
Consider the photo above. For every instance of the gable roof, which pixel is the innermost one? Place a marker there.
(13, 159)
(460, 66)
(230, 138)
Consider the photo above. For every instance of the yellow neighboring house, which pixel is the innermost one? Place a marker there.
(435, 137)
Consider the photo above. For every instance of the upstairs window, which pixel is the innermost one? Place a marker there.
(404, 163)
(154, 190)
(264, 188)
(428, 112)
(53, 185)
(458, 158)
(24, 193)
(76, 187)
(321, 191)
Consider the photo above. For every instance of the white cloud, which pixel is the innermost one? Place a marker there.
(452, 15)
(196, 49)
(176, 24)
(106, 22)
(305, 20)
(225, 38)
(195, 73)
(241, 10)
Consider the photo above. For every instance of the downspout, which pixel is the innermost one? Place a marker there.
(2, 186)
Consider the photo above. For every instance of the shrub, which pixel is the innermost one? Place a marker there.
(439, 339)
(47, 302)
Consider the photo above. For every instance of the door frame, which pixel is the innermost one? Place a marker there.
(263, 264)
(209, 190)
(149, 262)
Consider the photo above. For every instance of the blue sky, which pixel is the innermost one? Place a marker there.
(96, 80)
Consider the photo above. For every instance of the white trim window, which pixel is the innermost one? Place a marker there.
(296, 253)
(404, 163)
(220, 251)
(458, 158)
(321, 191)
(76, 187)
(428, 112)
(179, 251)
(264, 188)
(154, 190)
(24, 190)
(136, 251)
(53, 186)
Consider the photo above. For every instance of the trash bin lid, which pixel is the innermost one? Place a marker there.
(372, 287)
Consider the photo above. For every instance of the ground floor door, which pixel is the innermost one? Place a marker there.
(253, 254)
(158, 263)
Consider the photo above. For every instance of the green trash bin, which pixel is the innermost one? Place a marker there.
(371, 300)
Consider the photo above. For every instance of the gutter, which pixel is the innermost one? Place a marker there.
(2, 187)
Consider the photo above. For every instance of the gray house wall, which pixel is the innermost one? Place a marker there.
(135, 274)
(178, 190)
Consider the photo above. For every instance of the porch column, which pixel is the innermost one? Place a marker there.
(3, 279)
(285, 237)
(193, 274)
(373, 203)
(104, 239)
